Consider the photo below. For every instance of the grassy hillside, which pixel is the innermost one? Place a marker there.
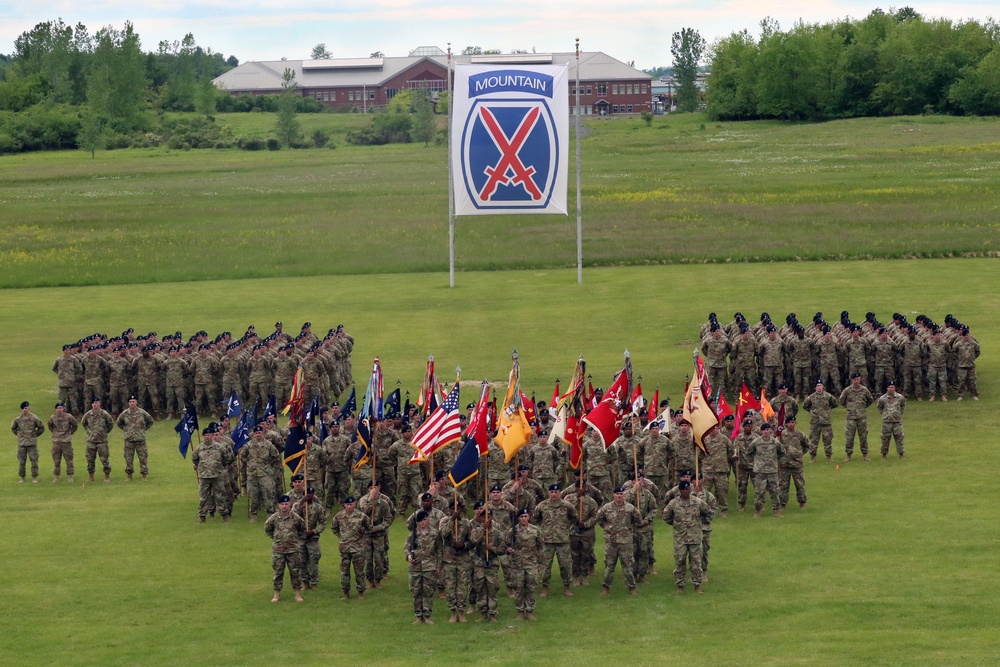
(681, 191)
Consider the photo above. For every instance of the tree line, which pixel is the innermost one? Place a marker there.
(886, 64)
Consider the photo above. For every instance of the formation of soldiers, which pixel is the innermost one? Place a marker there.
(167, 373)
(924, 357)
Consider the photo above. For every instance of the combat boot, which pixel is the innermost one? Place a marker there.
(484, 617)
(544, 593)
(462, 618)
(91, 477)
(55, 480)
(697, 589)
(428, 621)
(107, 478)
(144, 477)
(225, 518)
(128, 476)
(802, 505)
(528, 616)
(756, 515)
(277, 594)
(253, 518)
(361, 595)
(493, 618)
(567, 592)
(453, 618)
(298, 596)
(605, 590)
(201, 519)
(633, 591)
(69, 480)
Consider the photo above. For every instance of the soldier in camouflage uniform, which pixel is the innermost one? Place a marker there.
(891, 406)
(698, 491)
(716, 347)
(687, 514)
(555, 519)
(27, 427)
(121, 375)
(828, 350)
(544, 462)
(800, 349)
(524, 548)
(456, 563)
(885, 359)
(261, 457)
(260, 376)
(147, 368)
(644, 501)
(628, 452)
(94, 369)
(423, 553)
(599, 462)
(338, 471)
(285, 528)
(744, 361)
(721, 454)
(315, 517)
(285, 367)
(683, 447)
(379, 509)
(765, 451)
(784, 399)
(771, 360)
(657, 457)
(62, 425)
(819, 404)
(409, 478)
(858, 350)
(175, 368)
(966, 353)
(97, 423)
(582, 538)
(486, 538)
(856, 398)
(205, 367)
(794, 446)
(744, 461)
(619, 520)
(914, 356)
(523, 492)
(134, 422)
(210, 459)
(938, 352)
(352, 527)
(66, 367)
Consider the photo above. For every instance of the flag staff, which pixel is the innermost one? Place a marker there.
(579, 199)
(451, 185)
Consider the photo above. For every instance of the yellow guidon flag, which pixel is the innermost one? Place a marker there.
(514, 431)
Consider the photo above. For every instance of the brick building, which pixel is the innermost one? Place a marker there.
(607, 86)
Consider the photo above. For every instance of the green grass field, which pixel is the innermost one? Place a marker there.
(891, 564)
(681, 191)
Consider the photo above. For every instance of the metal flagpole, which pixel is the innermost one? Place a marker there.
(451, 185)
(579, 199)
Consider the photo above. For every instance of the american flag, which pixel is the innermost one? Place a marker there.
(441, 428)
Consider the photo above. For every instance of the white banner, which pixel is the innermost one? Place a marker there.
(511, 138)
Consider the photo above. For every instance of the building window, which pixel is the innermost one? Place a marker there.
(371, 95)
(589, 90)
(602, 89)
(645, 90)
(630, 108)
(614, 89)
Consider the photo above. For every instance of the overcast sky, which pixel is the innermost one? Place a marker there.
(625, 29)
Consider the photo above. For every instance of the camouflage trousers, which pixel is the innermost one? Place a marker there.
(92, 391)
(718, 483)
(291, 561)
(214, 493)
(662, 484)
(603, 484)
(967, 381)
(357, 559)
(937, 381)
(892, 430)
(206, 398)
(743, 476)
(133, 449)
(582, 549)
(25, 454)
(817, 431)
(643, 542)
(309, 555)
(830, 375)
(717, 378)
(687, 556)
(770, 378)
(176, 399)
(740, 374)
(882, 375)
(258, 392)
(409, 486)
(614, 553)
(765, 483)
(561, 552)
(60, 451)
(69, 398)
(260, 494)
(149, 391)
(485, 588)
(117, 399)
(802, 378)
(338, 487)
(377, 557)
(525, 583)
(387, 478)
(785, 478)
(95, 449)
(859, 426)
(457, 580)
(913, 381)
(422, 586)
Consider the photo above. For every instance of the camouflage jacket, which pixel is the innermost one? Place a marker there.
(318, 517)
(526, 543)
(352, 530)
(97, 425)
(555, 519)
(62, 427)
(423, 549)
(27, 429)
(134, 423)
(285, 532)
(211, 459)
(687, 516)
(618, 522)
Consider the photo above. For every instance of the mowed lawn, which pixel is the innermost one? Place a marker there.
(683, 190)
(892, 563)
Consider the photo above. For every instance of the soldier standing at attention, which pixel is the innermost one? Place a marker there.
(27, 427)
(619, 520)
(716, 348)
(765, 451)
(210, 459)
(456, 562)
(819, 404)
(134, 422)
(891, 405)
(686, 515)
(285, 529)
(966, 353)
(721, 454)
(261, 457)
(856, 398)
(423, 553)
(66, 368)
(487, 539)
(352, 528)
(315, 524)
(744, 461)
(97, 423)
(555, 519)
(794, 446)
(62, 426)
(524, 547)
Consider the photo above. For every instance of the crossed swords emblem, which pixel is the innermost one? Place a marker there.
(509, 159)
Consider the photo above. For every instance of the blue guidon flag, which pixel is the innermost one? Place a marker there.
(509, 153)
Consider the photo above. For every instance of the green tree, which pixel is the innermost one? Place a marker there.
(377, 54)
(116, 84)
(424, 126)
(732, 81)
(978, 90)
(320, 52)
(205, 97)
(93, 132)
(687, 48)
(287, 125)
